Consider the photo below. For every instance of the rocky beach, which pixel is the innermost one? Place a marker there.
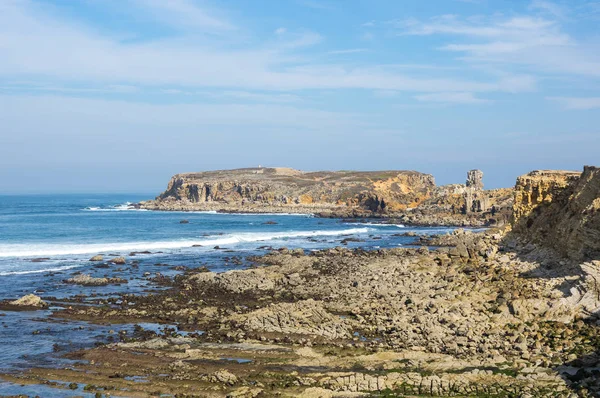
(508, 311)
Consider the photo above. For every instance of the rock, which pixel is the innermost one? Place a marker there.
(560, 210)
(97, 258)
(30, 300)
(225, 376)
(303, 317)
(118, 260)
(184, 222)
(475, 179)
(285, 190)
(245, 392)
(87, 280)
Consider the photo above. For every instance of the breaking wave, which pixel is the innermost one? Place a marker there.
(39, 271)
(47, 249)
(127, 206)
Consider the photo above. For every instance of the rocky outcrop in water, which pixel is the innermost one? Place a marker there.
(29, 301)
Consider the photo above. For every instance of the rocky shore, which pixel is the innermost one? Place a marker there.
(407, 196)
(508, 312)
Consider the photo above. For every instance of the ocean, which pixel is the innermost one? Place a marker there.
(46, 239)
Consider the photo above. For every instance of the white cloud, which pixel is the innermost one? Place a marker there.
(306, 39)
(348, 51)
(184, 14)
(280, 31)
(385, 93)
(258, 97)
(527, 41)
(451, 98)
(549, 7)
(577, 103)
(37, 45)
(52, 111)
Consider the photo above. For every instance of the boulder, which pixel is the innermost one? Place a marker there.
(97, 258)
(30, 300)
(87, 280)
(118, 260)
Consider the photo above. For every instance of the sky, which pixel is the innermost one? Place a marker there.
(119, 95)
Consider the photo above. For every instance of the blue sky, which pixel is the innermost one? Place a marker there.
(118, 95)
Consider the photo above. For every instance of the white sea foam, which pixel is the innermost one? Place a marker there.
(46, 249)
(127, 206)
(374, 224)
(39, 271)
(267, 214)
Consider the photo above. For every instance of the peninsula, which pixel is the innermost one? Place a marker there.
(407, 196)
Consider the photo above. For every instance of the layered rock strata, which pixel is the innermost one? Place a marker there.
(561, 211)
(285, 190)
(407, 194)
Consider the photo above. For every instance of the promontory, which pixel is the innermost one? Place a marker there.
(409, 196)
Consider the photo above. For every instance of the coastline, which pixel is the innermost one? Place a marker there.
(336, 321)
(507, 311)
(417, 218)
(408, 196)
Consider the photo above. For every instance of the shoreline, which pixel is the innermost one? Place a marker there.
(349, 214)
(335, 321)
(503, 312)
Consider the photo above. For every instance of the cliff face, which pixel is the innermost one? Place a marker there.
(560, 210)
(539, 187)
(273, 189)
(408, 195)
(464, 204)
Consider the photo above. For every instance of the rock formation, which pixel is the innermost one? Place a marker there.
(560, 210)
(475, 180)
(30, 301)
(466, 205)
(283, 189)
(407, 194)
(539, 187)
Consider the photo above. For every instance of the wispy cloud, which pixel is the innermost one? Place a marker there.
(528, 41)
(184, 14)
(577, 103)
(451, 98)
(348, 51)
(40, 45)
(57, 114)
(550, 8)
(258, 97)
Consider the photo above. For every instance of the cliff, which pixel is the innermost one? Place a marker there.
(410, 196)
(560, 210)
(464, 205)
(288, 190)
